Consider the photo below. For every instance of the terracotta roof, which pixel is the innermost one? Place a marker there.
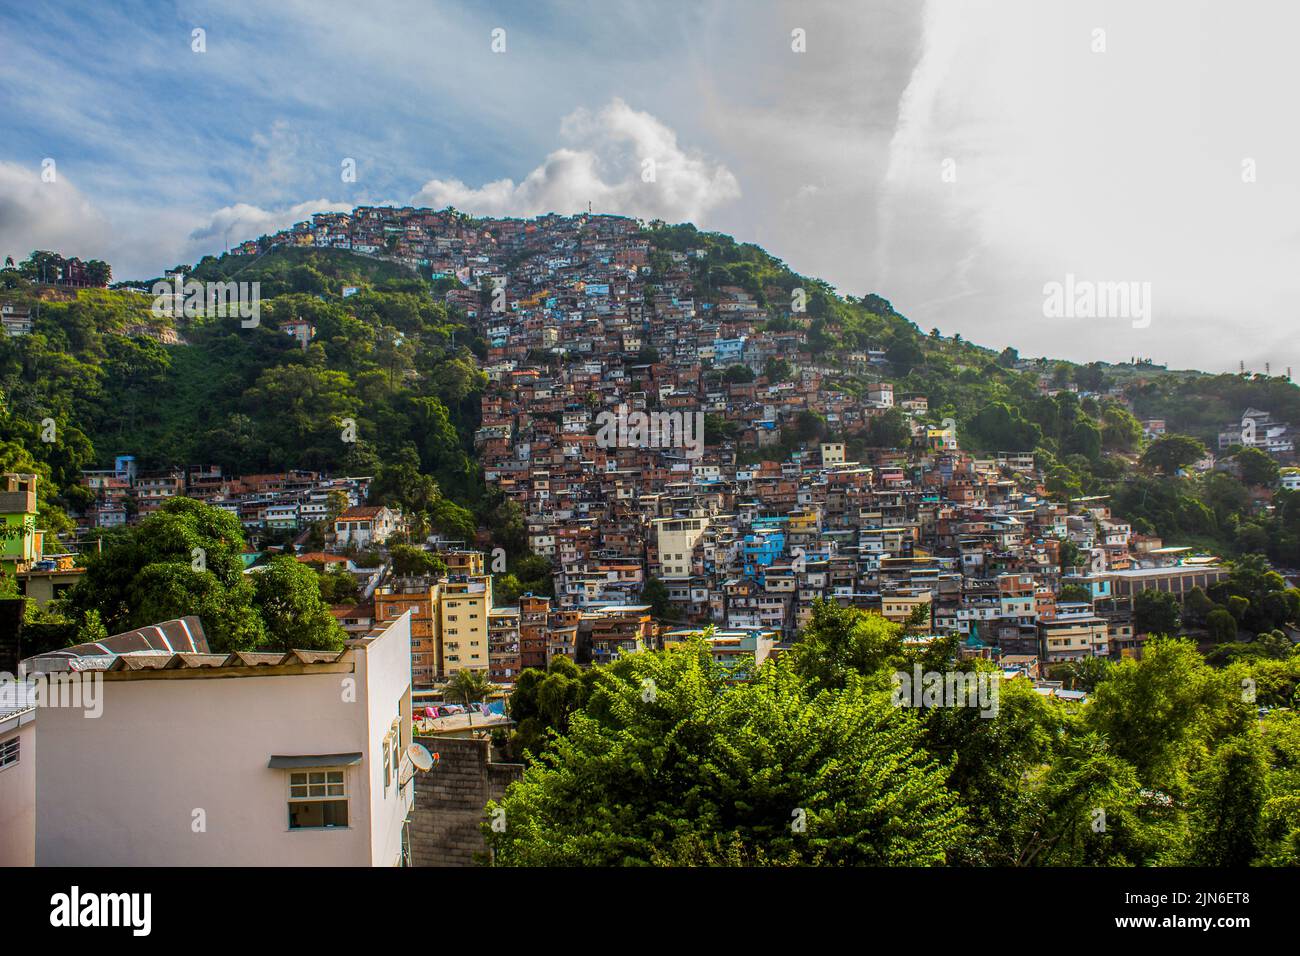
(359, 513)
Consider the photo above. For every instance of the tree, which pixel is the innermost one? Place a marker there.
(777, 369)
(1084, 439)
(809, 426)
(989, 759)
(1156, 612)
(1120, 431)
(287, 594)
(1196, 607)
(1158, 713)
(542, 702)
(840, 642)
(655, 594)
(1086, 673)
(183, 559)
(1074, 593)
(1258, 468)
(469, 685)
(409, 561)
(1169, 453)
(918, 622)
(1221, 625)
(904, 354)
(668, 756)
(1071, 556)
(337, 587)
(999, 427)
(738, 375)
(888, 430)
(1227, 805)
(1095, 811)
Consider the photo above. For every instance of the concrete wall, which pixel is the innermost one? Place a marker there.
(385, 671)
(450, 800)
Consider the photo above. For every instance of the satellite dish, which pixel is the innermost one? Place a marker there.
(420, 756)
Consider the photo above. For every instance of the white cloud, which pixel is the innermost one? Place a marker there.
(47, 215)
(243, 221)
(612, 151)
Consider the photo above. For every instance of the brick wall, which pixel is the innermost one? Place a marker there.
(445, 828)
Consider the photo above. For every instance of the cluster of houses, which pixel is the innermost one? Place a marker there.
(286, 501)
(1258, 429)
(586, 323)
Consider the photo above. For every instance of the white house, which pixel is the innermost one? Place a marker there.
(17, 775)
(365, 525)
(244, 759)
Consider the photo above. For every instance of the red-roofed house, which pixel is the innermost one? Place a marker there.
(365, 525)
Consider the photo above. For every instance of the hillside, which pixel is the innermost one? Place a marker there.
(396, 359)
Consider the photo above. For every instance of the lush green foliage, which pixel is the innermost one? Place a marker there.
(667, 759)
(185, 559)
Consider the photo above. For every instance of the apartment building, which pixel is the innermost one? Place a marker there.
(20, 541)
(503, 645)
(675, 539)
(419, 597)
(1075, 632)
(464, 601)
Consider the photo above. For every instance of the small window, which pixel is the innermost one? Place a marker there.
(317, 799)
(9, 753)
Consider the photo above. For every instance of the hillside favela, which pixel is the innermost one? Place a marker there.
(393, 534)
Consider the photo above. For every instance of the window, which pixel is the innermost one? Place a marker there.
(317, 799)
(9, 753)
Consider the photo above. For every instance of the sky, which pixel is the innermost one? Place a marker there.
(957, 157)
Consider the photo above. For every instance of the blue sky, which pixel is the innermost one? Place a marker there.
(1119, 164)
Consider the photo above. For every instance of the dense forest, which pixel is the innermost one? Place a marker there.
(389, 360)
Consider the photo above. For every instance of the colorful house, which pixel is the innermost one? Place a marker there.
(20, 542)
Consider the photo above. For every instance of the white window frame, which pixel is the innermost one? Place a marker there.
(334, 790)
(10, 754)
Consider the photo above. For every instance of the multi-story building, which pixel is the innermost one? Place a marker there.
(503, 645)
(20, 541)
(1075, 632)
(419, 597)
(17, 774)
(464, 601)
(620, 630)
(534, 624)
(364, 526)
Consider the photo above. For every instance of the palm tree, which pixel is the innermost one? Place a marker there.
(469, 685)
